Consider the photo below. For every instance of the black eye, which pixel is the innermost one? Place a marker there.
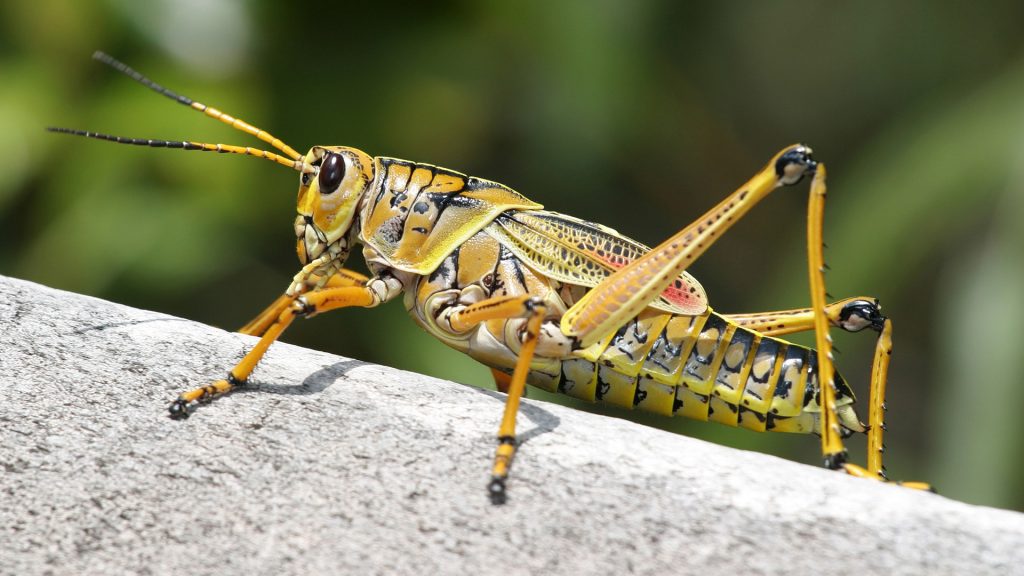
(331, 173)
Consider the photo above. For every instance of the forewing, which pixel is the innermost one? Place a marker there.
(575, 251)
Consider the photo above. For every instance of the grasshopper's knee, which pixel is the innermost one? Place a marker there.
(856, 314)
(793, 163)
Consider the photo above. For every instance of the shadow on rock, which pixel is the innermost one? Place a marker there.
(542, 420)
(314, 383)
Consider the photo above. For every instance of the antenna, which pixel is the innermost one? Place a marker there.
(296, 164)
(294, 160)
(209, 111)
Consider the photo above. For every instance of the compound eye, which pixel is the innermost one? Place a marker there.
(332, 171)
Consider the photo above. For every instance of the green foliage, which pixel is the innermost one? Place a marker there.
(639, 115)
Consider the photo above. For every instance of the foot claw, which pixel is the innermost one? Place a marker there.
(178, 409)
(835, 461)
(860, 472)
(496, 490)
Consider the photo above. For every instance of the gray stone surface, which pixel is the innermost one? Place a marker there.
(327, 465)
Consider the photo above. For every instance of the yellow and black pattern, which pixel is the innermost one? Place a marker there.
(704, 368)
(558, 302)
(418, 214)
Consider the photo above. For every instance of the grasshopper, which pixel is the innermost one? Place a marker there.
(556, 302)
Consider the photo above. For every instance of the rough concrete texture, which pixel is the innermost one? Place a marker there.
(326, 465)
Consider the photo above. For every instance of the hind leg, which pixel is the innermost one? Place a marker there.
(852, 315)
(833, 449)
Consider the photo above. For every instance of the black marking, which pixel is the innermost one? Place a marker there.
(663, 348)
(782, 388)
(813, 390)
(621, 344)
(564, 384)
(397, 198)
(419, 229)
(447, 269)
(746, 339)
(420, 207)
(443, 201)
(639, 395)
(760, 417)
(770, 348)
(676, 404)
(795, 357)
(518, 270)
(641, 338)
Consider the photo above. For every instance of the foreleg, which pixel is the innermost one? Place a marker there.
(376, 291)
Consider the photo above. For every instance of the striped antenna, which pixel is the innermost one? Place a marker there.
(211, 112)
(296, 164)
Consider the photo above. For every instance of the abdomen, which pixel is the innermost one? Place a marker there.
(705, 368)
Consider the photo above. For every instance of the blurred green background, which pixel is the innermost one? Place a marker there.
(639, 115)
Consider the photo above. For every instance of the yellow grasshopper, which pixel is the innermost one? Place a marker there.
(556, 302)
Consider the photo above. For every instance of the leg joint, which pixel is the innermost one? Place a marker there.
(301, 308)
(535, 305)
(859, 314)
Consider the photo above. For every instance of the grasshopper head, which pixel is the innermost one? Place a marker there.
(329, 196)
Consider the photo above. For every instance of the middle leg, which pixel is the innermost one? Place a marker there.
(505, 307)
